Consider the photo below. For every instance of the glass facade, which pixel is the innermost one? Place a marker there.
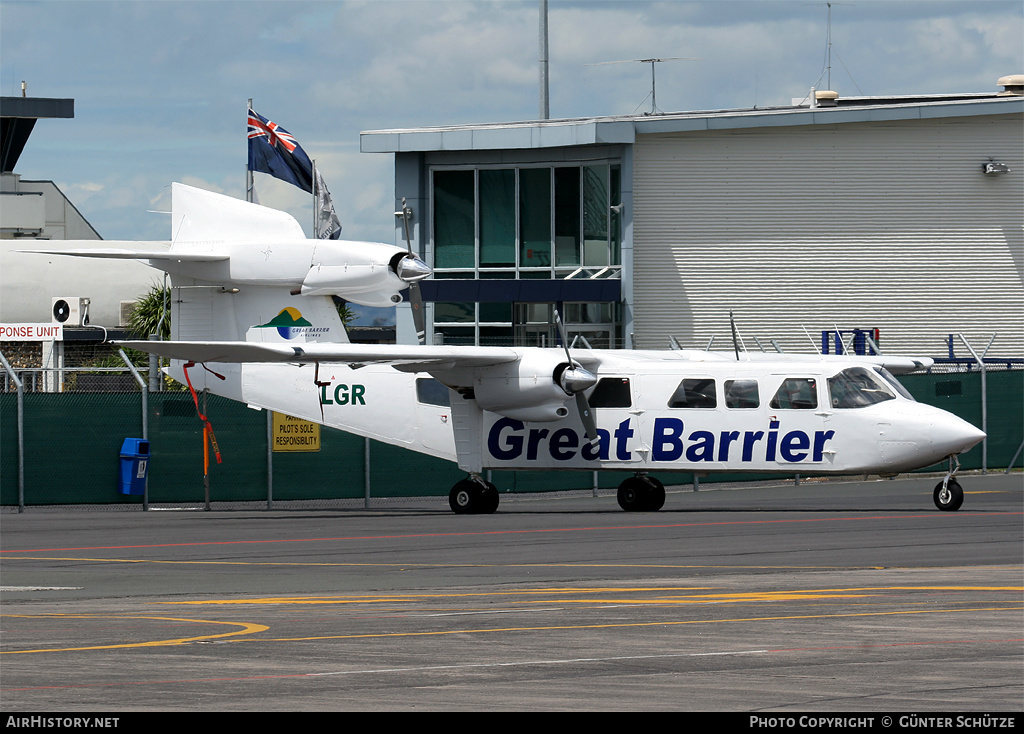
(526, 222)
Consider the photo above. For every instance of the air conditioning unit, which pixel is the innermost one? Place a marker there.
(127, 308)
(70, 310)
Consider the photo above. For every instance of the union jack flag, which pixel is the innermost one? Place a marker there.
(273, 150)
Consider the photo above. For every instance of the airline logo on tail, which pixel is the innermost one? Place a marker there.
(290, 324)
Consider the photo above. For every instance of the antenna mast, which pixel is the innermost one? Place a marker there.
(828, 48)
(652, 62)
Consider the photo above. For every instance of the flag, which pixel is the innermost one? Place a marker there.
(273, 150)
(328, 227)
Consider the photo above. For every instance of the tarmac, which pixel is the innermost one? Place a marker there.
(855, 596)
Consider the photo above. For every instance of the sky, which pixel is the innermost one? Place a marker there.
(160, 87)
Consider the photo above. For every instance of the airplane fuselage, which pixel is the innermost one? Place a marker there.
(653, 412)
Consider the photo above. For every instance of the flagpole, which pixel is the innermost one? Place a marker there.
(316, 214)
(248, 171)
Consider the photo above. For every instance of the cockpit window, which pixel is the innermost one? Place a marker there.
(896, 384)
(858, 387)
(796, 393)
(694, 393)
(741, 394)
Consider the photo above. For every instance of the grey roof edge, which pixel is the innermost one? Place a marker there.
(623, 129)
(37, 107)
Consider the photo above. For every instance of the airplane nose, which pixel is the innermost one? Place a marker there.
(954, 435)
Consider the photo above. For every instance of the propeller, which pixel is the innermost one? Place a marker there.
(412, 270)
(574, 380)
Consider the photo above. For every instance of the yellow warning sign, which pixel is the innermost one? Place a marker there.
(295, 434)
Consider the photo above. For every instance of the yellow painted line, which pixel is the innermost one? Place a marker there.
(632, 624)
(247, 629)
(685, 594)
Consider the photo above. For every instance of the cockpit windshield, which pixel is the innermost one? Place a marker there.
(857, 387)
(896, 384)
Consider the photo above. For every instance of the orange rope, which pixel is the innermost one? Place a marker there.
(207, 426)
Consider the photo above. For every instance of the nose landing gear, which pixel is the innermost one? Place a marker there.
(948, 494)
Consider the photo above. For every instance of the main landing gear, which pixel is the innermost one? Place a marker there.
(641, 492)
(949, 495)
(473, 495)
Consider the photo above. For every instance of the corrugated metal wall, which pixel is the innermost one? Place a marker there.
(888, 225)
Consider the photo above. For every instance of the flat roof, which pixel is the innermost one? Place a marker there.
(36, 107)
(624, 129)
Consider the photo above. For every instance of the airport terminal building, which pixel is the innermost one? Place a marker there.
(899, 215)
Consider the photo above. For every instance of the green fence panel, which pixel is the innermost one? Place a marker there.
(72, 446)
(9, 448)
(336, 471)
(398, 472)
(176, 450)
(960, 394)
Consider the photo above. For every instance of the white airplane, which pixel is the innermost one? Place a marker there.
(251, 305)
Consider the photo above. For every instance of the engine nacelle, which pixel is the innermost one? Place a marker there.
(365, 274)
(526, 390)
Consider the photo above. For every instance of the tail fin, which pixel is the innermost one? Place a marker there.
(203, 217)
(212, 308)
(208, 311)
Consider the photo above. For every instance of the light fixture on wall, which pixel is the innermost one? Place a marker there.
(992, 168)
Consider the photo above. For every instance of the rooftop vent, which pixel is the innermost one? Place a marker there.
(826, 98)
(1013, 85)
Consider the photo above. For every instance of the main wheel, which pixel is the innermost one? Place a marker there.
(655, 494)
(465, 497)
(488, 499)
(631, 494)
(641, 493)
(950, 498)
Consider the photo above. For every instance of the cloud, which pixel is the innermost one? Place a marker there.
(160, 86)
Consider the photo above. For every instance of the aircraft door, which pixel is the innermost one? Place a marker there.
(434, 415)
(799, 433)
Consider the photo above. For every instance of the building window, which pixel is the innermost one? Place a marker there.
(454, 219)
(497, 218)
(535, 218)
(525, 222)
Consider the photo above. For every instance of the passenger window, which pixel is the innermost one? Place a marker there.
(611, 392)
(431, 392)
(741, 394)
(694, 393)
(796, 393)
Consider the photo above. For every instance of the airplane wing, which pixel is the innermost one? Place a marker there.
(407, 358)
(896, 365)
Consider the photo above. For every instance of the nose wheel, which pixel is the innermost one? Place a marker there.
(473, 496)
(948, 494)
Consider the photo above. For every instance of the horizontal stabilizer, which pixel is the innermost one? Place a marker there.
(125, 253)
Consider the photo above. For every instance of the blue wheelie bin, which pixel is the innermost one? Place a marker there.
(134, 466)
